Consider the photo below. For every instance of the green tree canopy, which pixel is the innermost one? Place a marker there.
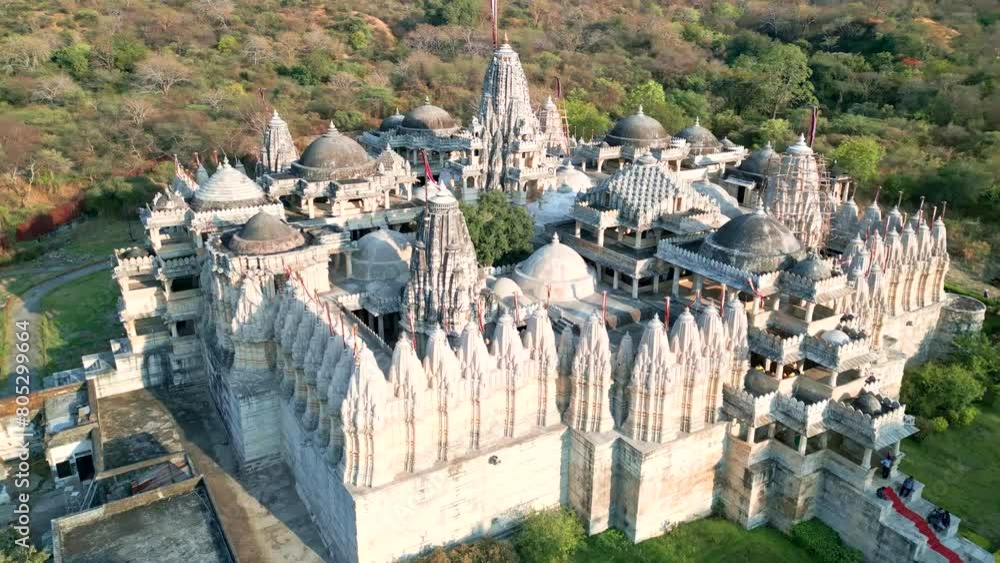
(550, 536)
(585, 119)
(946, 390)
(860, 157)
(500, 231)
(452, 12)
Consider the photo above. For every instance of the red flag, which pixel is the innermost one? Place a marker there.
(493, 21)
(813, 122)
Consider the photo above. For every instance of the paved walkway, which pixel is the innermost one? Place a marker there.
(28, 307)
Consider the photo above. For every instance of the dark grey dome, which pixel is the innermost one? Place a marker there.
(812, 267)
(392, 122)
(333, 150)
(754, 242)
(727, 144)
(758, 161)
(265, 234)
(636, 130)
(699, 138)
(867, 403)
(428, 117)
(760, 383)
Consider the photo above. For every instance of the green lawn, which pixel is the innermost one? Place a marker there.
(93, 239)
(711, 540)
(961, 471)
(79, 318)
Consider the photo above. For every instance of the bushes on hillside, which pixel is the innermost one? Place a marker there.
(550, 536)
(819, 539)
(939, 390)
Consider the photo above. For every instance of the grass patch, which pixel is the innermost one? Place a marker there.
(959, 470)
(77, 319)
(92, 239)
(711, 540)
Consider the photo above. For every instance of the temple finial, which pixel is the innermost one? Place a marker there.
(640, 110)
(697, 121)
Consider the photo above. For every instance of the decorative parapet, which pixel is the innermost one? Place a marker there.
(812, 290)
(837, 356)
(233, 265)
(496, 271)
(746, 406)
(175, 267)
(212, 220)
(670, 252)
(775, 347)
(875, 432)
(595, 217)
(804, 414)
(125, 267)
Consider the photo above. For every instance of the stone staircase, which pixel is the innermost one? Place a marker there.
(952, 548)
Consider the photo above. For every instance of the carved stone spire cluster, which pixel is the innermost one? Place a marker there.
(513, 150)
(795, 195)
(444, 276)
(277, 150)
(551, 126)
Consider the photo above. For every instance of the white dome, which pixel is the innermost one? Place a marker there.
(505, 289)
(382, 255)
(835, 337)
(555, 271)
(228, 188)
(572, 179)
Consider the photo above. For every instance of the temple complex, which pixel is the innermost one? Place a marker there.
(677, 345)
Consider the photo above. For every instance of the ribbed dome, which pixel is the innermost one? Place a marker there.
(382, 255)
(759, 160)
(333, 150)
(392, 122)
(812, 267)
(554, 270)
(228, 188)
(429, 117)
(265, 234)
(754, 242)
(699, 138)
(636, 130)
(572, 179)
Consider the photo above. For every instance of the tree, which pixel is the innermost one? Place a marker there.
(74, 59)
(938, 389)
(257, 50)
(500, 231)
(859, 157)
(777, 78)
(452, 12)
(550, 536)
(585, 119)
(55, 89)
(159, 73)
(23, 52)
(777, 131)
(11, 552)
(981, 356)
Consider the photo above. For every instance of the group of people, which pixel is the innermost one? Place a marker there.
(939, 519)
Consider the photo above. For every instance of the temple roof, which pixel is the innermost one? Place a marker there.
(699, 137)
(638, 129)
(640, 193)
(428, 116)
(754, 242)
(265, 234)
(391, 122)
(333, 150)
(758, 161)
(812, 267)
(554, 267)
(228, 188)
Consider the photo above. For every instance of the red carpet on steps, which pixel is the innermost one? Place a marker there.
(921, 524)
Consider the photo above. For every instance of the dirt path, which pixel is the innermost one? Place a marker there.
(28, 307)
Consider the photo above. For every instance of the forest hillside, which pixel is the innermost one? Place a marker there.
(96, 95)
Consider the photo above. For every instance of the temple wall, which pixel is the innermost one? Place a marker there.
(461, 500)
(667, 484)
(133, 372)
(322, 489)
(914, 332)
(591, 462)
(249, 411)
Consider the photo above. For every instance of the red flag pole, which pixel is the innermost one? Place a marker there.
(479, 315)
(517, 311)
(413, 333)
(666, 313)
(493, 20)
(722, 304)
(329, 321)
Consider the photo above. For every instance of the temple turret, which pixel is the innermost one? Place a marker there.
(444, 277)
(552, 129)
(277, 149)
(796, 195)
(590, 383)
(514, 155)
(652, 408)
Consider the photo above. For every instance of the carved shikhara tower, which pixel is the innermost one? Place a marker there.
(514, 156)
